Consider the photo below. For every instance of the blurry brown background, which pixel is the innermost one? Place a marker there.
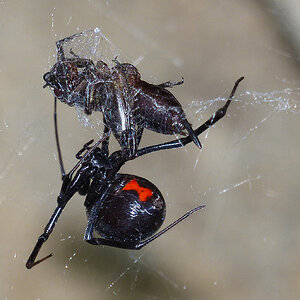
(245, 244)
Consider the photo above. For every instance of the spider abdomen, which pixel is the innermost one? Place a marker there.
(133, 211)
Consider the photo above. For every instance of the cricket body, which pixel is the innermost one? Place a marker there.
(129, 104)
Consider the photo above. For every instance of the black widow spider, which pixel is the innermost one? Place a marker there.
(125, 210)
(128, 103)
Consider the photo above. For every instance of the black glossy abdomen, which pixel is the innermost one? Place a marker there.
(130, 213)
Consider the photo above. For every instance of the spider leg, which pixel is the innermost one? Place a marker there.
(155, 236)
(88, 235)
(69, 188)
(31, 262)
(84, 158)
(61, 164)
(85, 147)
(218, 115)
(170, 84)
(135, 245)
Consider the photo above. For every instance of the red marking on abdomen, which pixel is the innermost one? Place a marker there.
(143, 192)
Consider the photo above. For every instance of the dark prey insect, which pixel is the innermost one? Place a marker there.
(128, 103)
(125, 210)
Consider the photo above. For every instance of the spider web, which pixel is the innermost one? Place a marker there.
(247, 173)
